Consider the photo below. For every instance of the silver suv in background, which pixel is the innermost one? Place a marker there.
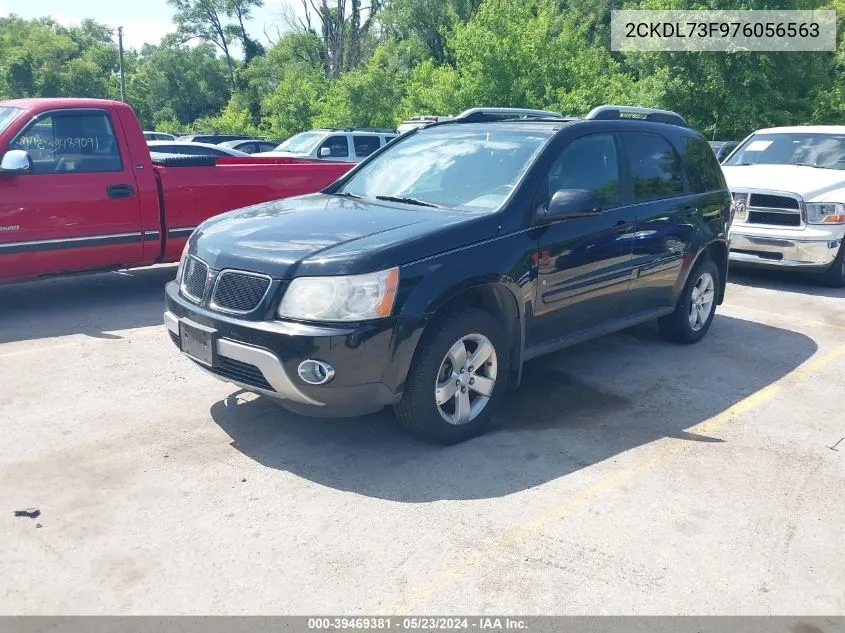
(342, 145)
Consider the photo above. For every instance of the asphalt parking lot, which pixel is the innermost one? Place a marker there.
(627, 475)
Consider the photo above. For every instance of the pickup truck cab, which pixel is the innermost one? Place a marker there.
(788, 184)
(426, 276)
(79, 191)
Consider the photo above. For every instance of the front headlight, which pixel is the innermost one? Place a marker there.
(350, 298)
(181, 263)
(825, 213)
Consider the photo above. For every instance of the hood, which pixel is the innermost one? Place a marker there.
(321, 234)
(811, 183)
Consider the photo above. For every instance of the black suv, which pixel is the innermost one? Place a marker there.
(426, 276)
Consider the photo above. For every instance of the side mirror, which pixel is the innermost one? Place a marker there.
(16, 161)
(325, 151)
(572, 203)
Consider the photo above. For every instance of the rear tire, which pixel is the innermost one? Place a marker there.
(449, 397)
(696, 306)
(835, 275)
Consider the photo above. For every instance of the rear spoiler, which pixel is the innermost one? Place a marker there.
(611, 112)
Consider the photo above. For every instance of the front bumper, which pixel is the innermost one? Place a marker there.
(783, 252)
(264, 356)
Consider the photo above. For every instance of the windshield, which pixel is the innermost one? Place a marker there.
(302, 143)
(7, 115)
(450, 167)
(814, 149)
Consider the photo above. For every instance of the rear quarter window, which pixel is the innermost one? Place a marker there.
(701, 165)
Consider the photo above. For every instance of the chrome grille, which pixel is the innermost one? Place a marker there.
(194, 277)
(237, 291)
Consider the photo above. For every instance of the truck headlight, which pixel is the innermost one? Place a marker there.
(739, 207)
(825, 213)
(349, 298)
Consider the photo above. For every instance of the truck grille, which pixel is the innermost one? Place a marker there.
(775, 219)
(239, 291)
(194, 278)
(768, 201)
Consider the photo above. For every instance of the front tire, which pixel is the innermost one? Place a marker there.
(457, 378)
(696, 306)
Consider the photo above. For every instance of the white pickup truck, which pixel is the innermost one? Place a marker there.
(788, 185)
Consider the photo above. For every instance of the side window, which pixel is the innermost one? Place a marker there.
(654, 167)
(702, 166)
(589, 162)
(365, 145)
(339, 145)
(71, 142)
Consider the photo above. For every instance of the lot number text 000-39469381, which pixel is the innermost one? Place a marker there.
(728, 31)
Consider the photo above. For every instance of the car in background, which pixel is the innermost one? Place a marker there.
(186, 148)
(345, 145)
(419, 121)
(788, 187)
(158, 136)
(722, 149)
(214, 139)
(250, 146)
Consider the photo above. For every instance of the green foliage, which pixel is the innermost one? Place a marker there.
(392, 59)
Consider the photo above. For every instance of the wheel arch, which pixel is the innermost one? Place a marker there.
(717, 251)
(496, 298)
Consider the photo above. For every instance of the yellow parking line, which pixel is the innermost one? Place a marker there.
(661, 450)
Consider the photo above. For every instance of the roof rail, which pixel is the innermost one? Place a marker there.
(383, 130)
(608, 112)
(491, 114)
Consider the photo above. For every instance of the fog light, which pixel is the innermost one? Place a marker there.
(315, 372)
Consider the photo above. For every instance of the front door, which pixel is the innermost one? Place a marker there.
(584, 265)
(78, 209)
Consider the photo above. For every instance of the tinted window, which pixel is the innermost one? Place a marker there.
(589, 162)
(71, 142)
(654, 167)
(365, 145)
(339, 145)
(702, 167)
(265, 147)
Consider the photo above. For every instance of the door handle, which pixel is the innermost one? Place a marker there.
(623, 227)
(120, 191)
(690, 211)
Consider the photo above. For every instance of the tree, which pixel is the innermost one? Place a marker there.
(241, 10)
(205, 20)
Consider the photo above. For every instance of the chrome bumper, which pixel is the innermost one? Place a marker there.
(266, 361)
(770, 251)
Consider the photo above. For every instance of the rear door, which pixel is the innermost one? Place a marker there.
(365, 144)
(665, 214)
(79, 208)
(584, 264)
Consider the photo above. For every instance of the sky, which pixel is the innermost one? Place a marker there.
(145, 21)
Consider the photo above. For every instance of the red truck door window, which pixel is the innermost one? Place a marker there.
(78, 208)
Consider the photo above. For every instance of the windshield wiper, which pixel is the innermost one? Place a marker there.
(347, 194)
(421, 203)
(811, 165)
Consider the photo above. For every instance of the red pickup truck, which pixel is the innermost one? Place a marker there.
(79, 190)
